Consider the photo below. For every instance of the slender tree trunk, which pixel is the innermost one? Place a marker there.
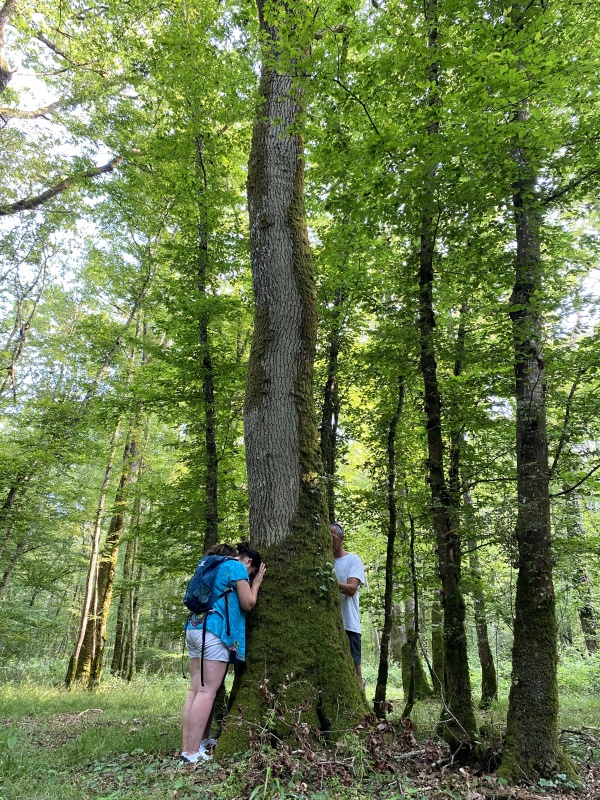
(379, 703)
(134, 616)
(74, 668)
(581, 579)
(412, 664)
(110, 550)
(211, 469)
(116, 665)
(489, 681)
(438, 669)
(458, 725)
(531, 748)
(13, 561)
(331, 405)
(489, 687)
(416, 687)
(288, 515)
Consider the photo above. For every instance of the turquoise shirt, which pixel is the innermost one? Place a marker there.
(228, 573)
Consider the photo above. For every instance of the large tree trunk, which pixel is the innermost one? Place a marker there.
(379, 703)
(531, 749)
(297, 643)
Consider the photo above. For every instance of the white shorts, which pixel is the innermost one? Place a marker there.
(214, 649)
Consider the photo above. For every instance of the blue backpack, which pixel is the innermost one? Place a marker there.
(200, 596)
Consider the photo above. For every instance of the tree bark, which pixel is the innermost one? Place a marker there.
(304, 656)
(531, 748)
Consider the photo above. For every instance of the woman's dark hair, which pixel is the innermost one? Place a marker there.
(245, 551)
(221, 550)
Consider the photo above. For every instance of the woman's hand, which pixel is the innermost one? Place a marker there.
(247, 594)
(258, 578)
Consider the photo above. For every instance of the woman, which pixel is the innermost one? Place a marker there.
(219, 645)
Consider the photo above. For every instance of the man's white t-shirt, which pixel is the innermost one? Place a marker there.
(350, 566)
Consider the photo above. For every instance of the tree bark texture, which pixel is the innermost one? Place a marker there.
(296, 640)
(379, 703)
(531, 748)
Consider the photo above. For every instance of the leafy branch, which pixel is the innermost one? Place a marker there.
(31, 203)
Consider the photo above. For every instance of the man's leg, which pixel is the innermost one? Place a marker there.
(355, 650)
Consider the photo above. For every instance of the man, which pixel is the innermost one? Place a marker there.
(350, 574)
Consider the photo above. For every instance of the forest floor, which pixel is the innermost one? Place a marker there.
(121, 743)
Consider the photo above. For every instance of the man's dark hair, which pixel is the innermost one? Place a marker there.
(338, 527)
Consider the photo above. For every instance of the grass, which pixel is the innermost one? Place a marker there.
(119, 743)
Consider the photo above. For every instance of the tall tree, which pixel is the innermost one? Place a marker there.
(288, 520)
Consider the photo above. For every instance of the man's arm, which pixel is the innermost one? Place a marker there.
(350, 587)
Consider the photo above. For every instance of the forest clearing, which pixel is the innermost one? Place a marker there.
(304, 298)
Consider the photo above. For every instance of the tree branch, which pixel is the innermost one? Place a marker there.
(358, 100)
(578, 484)
(31, 203)
(550, 198)
(563, 433)
(17, 113)
(55, 49)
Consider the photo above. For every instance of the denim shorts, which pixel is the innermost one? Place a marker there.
(354, 639)
(214, 649)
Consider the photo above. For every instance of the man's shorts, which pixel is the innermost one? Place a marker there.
(354, 639)
(214, 649)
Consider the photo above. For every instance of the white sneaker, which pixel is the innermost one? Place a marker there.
(201, 755)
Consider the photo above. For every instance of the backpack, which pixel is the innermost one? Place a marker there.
(200, 595)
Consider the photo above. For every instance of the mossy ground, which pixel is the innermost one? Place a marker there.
(121, 743)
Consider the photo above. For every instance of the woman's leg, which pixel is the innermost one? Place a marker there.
(201, 704)
(189, 702)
